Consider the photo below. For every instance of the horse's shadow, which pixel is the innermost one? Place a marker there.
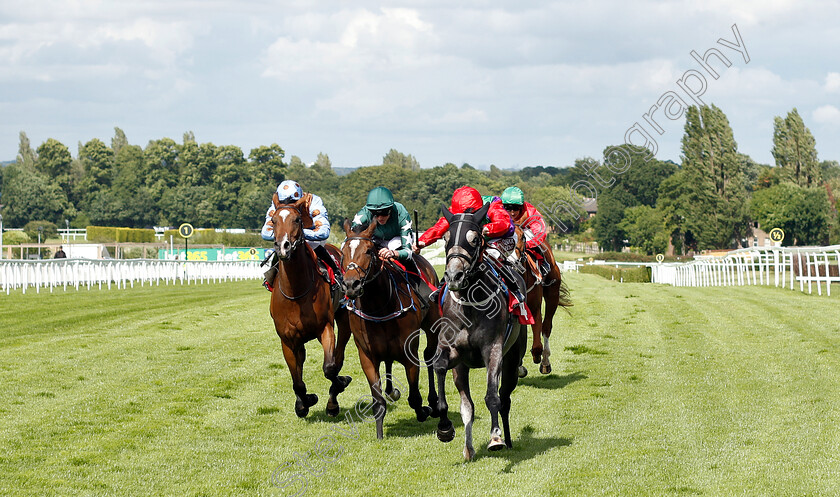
(525, 447)
(552, 381)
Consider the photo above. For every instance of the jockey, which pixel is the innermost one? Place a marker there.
(289, 192)
(392, 235)
(498, 230)
(531, 221)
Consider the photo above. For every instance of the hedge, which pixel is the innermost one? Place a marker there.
(629, 275)
(103, 234)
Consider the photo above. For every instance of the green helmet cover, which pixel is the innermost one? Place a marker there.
(513, 195)
(379, 198)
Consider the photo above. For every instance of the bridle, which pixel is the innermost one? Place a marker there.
(294, 247)
(375, 261)
(470, 259)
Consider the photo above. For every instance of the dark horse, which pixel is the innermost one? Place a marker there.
(551, 289)
(385, 318)
(302, 306)
(480, 332)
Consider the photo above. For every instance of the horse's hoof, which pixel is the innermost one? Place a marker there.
(469, 454)
(301, 411)
(536, 354)
(332, 411)
(446, 435)
(496, 443)
(523, 372)
(423, 413)
(545, 368)
(395, 395)
(310, 400)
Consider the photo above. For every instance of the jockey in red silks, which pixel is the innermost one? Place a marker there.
(498, 230)
(289, 192)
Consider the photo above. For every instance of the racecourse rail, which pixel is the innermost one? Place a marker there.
(81, 273)
(786, 267)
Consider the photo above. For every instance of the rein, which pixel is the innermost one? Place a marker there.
(469, 259)
(369, 277)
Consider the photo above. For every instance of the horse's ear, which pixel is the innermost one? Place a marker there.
(347, 227)
(369, 229)
(480, 214)
(275, 200)
(446, 213)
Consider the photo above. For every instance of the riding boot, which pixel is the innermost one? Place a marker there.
(271, 260)
(514, 282)
(418, 285)
(327, 259)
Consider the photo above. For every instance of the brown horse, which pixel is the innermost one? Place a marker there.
(385, 319)
(302, 306)
(551, 289)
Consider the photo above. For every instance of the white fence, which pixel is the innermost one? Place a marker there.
(81, 273)
(779, 266)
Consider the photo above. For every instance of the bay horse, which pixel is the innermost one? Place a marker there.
(551, 289)
(385, 318)
(480, 332)
(303, 307)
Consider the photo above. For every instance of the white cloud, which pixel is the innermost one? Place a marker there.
(827, 114)
(832, 82)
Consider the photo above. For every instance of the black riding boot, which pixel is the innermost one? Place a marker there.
(271, 274)
(514, 282)
(327, 259)
(420, 287)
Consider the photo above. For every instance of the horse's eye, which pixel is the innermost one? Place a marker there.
(446, 237)
(472, 238)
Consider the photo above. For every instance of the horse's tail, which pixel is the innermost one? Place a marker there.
(565, 297)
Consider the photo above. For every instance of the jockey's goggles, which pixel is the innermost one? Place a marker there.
(512, 207)
(381, 212)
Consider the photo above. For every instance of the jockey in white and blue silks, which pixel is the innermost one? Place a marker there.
(289, 192)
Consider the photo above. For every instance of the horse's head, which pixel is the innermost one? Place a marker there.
(360, 258)
(464, 245)
(288, 222)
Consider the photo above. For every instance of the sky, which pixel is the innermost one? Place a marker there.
(509, 83)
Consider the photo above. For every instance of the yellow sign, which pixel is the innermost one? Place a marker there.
(777, 235)
(185, 230)
(660, 257)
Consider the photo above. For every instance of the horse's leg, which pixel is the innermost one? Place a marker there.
(415, 399)
(461, 375)
(552, 301)
(340, 382)
(445, 430)
(393, 394)
(371, 370)
(331, 369)
(295, 360)
(535, 305)
(509, 380)
(428, 357)
(491, 399)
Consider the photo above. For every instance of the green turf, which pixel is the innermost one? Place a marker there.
(656, 391)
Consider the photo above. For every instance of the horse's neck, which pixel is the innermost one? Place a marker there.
(299, 270)
(378, 289)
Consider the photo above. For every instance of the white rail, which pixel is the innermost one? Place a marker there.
(779, 266)
(87, 273)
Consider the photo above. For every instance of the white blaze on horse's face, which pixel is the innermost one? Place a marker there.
(284, 214)
(354, 244)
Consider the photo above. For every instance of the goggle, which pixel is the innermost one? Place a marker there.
(512, 207)
(380, 213)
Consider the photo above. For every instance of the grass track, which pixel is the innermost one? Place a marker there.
(656, 391)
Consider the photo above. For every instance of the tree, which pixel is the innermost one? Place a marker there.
(803, 213)
(269, 161)
(645, 229)
(713, 174)
(28, 194)
(54, 162)
(395, 158)
(119, 140)
(26, 156)
(794, 149)
(323, 161)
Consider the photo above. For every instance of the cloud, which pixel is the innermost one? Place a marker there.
(827, 114)
(832, 82)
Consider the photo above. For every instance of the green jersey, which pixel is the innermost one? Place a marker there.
(398, 225)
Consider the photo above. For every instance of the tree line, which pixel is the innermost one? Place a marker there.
(711, 200)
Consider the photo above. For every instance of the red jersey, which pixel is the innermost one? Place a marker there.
(499, 223)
